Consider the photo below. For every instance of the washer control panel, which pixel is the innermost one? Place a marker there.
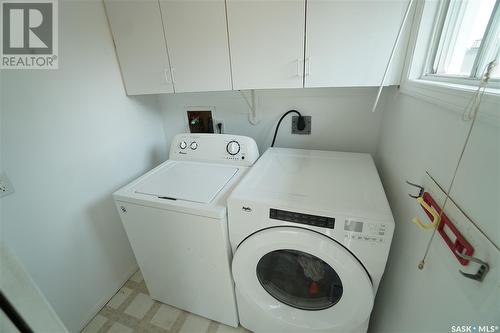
(355, 229)
(216, 148)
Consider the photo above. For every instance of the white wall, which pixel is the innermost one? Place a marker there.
(1, 147)
(409, 136)
(341, 117)
(18, 287)
(70, 137)
(417, 136)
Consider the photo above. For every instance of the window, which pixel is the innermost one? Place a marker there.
(467, 38)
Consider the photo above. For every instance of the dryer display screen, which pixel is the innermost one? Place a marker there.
(355, 226)
(313, 220)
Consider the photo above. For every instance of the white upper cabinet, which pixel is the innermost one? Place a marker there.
(348, 43)
(140, 45)
(166, 46)
(197, 44)
(266, 40)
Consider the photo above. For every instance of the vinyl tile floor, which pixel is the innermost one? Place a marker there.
(132, 310)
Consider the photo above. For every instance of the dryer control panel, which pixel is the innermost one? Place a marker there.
(307, 219)
(214, 148)
(355, 229)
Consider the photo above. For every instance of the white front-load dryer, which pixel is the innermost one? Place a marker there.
(310, 233)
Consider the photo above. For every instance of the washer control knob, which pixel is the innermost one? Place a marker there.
(233, 147)
(193, 145)
(183, 145)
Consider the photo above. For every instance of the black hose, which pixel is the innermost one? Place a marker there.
(301, 121)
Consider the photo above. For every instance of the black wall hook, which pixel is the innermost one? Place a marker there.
(482, 271)
(421, 190)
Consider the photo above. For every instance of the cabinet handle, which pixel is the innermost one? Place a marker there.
(173, 75)
(308, 66)
(300, 68)
(167, 76)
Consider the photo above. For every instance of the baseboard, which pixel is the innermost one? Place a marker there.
(95, 310)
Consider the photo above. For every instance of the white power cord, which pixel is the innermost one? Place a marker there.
(473, 106)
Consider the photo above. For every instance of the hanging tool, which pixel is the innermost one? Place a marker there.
(436, 218)
(459, 244)
(475, 106)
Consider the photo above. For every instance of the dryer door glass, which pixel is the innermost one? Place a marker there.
(299, 279)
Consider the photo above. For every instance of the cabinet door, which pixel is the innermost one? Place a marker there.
(348, 43)
(140, 45)
(197, 43)
(266, 39)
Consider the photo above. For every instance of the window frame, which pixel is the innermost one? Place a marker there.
(444, 96)
(436, 49)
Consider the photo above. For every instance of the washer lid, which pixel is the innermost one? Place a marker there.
(303, 279)
(196, 182)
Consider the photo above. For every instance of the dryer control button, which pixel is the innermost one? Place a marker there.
(183, 145)
(193, 145)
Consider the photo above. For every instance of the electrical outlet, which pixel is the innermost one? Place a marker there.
(222, 128)
(5, 185)
(307, 129)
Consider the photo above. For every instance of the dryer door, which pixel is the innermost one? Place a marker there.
(303, 279)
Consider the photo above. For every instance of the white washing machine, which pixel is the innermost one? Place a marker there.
(176, 220)
(310, 232)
